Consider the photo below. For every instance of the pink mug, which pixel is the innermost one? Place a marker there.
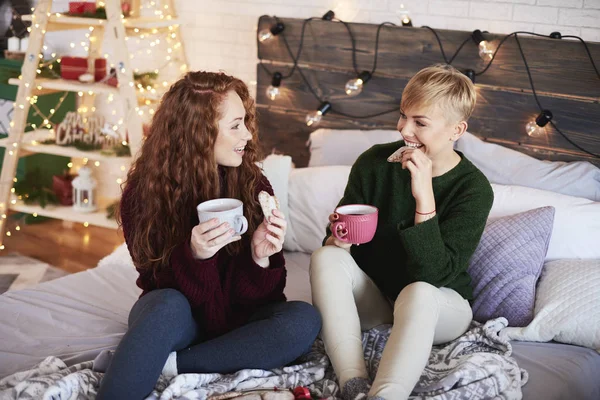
(356, 222)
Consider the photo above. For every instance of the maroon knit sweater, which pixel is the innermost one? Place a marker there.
(224, 290)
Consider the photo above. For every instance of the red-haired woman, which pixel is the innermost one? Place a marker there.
(212, 301)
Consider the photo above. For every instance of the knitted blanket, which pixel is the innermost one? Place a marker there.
(477, 365)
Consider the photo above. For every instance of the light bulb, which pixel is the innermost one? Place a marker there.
(268, 33)
(537, 127)
(273, 89)
(355, 86)
(264, 35)
(486, 50)
(272, 92)
(314, 117)
(534, 130)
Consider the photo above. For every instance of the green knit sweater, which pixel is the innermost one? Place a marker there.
(436, 251)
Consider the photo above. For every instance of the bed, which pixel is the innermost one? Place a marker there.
(78, 316)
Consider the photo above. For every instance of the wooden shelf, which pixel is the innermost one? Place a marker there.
(62, 22)
(66, 85)
(67, 213)
(31, 142)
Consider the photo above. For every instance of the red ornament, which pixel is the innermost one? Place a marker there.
(301, 393)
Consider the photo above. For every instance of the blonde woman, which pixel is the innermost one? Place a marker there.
(433, 205)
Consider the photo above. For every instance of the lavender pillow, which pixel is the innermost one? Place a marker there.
(507, 264)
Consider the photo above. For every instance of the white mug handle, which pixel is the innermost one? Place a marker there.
(241, 224)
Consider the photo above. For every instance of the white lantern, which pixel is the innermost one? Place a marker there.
(83, 191)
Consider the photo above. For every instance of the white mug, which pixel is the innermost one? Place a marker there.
(225, 210)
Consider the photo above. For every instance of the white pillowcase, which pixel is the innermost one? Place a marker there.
(315, 191)
(499, 164)
(576, 230)
(567, 307)
(277, 169)
(343, 146)
(510, 167)
(313, 194)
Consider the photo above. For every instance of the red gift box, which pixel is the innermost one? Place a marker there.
(73, 67)
(63, 188)
(80, 7)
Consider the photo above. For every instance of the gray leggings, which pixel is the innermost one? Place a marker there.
(161, 322)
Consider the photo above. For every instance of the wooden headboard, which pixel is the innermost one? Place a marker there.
(564, 79)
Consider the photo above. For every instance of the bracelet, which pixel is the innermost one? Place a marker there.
(429, 213)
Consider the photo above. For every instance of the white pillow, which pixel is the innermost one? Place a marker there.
(277, 169)
(343, 146)
(313, 194)
(510, 167)
(576, 230)
(567, 306)
(315, 191)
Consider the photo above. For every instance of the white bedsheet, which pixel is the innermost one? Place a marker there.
(77, 316)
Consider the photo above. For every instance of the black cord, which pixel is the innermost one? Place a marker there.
(333, 111)
(300, 46)
(459, 49)
(353, 41)
(500, 45)
(587, 50)
(540, 105)
(377, 45)
(439, 43)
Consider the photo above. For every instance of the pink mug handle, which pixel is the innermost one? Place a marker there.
(336, 227)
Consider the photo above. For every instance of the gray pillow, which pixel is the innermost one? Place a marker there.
(507, 264)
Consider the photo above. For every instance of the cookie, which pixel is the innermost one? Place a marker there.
(397, 155)
(268, 203)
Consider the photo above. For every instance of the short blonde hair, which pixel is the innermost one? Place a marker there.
(443, 86)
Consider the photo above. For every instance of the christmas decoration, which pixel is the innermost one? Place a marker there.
(99, 13)
(81, 7)
(76, 128)
(63, 188)
(126, 8)
(83, 191)
(32, 189)
(110, 210)
(145, 79)
(73, 67)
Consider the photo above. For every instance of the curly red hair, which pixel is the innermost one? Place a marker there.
(176, 168)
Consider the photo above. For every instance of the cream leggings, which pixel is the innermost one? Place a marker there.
(349, 302)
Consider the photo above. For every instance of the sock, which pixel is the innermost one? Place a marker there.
(170, 368)
(356, 389)
(102, 361)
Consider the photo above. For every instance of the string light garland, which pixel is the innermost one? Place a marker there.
(485, 50)
(47, 69)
